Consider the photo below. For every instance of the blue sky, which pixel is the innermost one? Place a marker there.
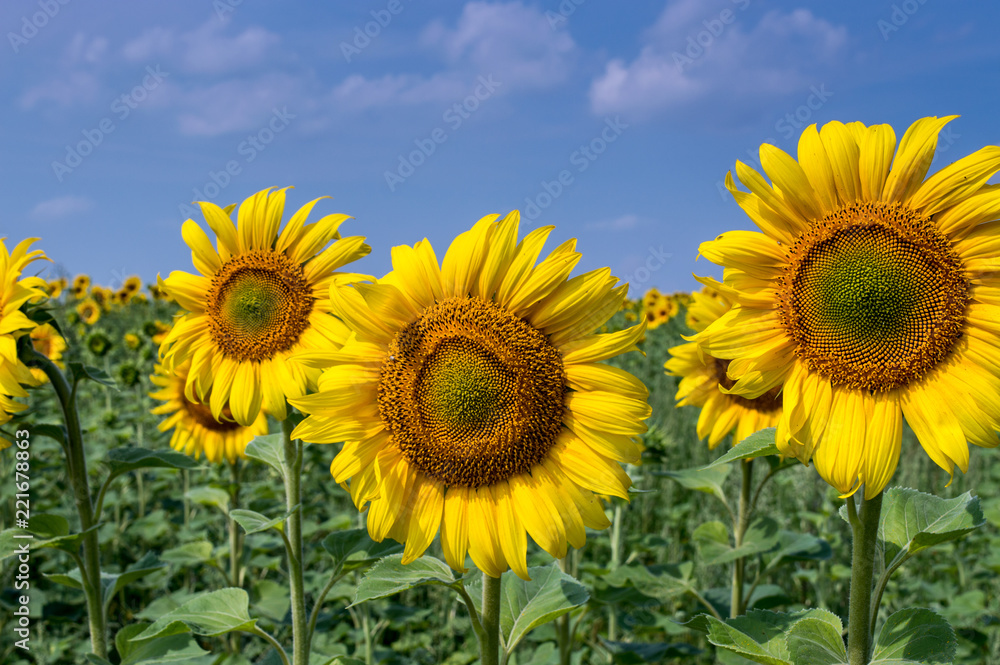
(614, 121)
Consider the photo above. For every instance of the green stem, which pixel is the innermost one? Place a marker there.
(564, 637)
(292, 475)
(616, 535)
(489, 648)
(273, 642)
(864, 528)
(76, 463)
(235, 550)
(320, 599)
(739, 530)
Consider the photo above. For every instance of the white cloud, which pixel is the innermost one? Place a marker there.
(60, 207)
(72, 89)
(508, 40)
(237, 105)
(697, 53)
(204, 50)
(622, 223)
(357, 93)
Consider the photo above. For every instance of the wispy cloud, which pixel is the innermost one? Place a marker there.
(60, 207)
(208, 49)
(620, 223)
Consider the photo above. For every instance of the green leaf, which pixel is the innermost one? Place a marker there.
(389, 576)
(709, 479)
(270, 599)
(813, 641)
(639, 653)
(112, 584)
(712, 541)
(353, 548)
(171, 649)
(97, 660)
(253, 522)
(77, 371)
(123, 460)
(525, 605)
(55, 432)
(912, 521)
(210, 496)
(760, 635)
(660, 581)
(915, 635)
(736, 640)
(188, 554)
(758, 444)
(44, 531)
(215, 613)
(794, 546)
(270, 450)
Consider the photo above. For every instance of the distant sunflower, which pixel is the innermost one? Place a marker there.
(55, 287)
(659, 308)
(89, 311)
(122, 296)
(102, 296)
(80, 285)
(255, 304)
(51, 344)
(702, 376)
(472, 398)
(196, 431)
(132, 284)
(15, 290)
(132, 341)
(871, 296)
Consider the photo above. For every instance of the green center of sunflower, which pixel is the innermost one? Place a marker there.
(873, 295)
(258, 305)
(471, 393)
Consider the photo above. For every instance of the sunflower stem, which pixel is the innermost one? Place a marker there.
(864, 528)
(616, 536)
(76, 463)
(235, 550)
(564, 637)
(739, 531)
(489, 647)
(293, 498)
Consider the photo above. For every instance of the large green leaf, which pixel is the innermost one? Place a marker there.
(912, 521)
(714, 547)
(179, 648)
(210, 496)
(389, 576)
(254, 522)
(123, 460)
(758, 444)
(660, 581)
(709, 479)
(112, 583)
(761, 636)
(639, 653)
(525, 605)
(915, 635)
(214, 613)
(195, 552)
(269, 449)
(815, 641)
(353, 548)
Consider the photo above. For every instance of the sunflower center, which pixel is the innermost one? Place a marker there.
(873, 295)
(766, 403)
(202, 415)
(471, 393)
(258, 305)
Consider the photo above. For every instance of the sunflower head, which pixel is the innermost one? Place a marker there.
(80, 285)
(195, 431)
(473, 400)
(89, 311)
(132, 341)
(47, 341)
(868, 294)
(55, 287)
(255, 304)
(132, 284)
(99, 343)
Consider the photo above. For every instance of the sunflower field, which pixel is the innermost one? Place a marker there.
(485, 456)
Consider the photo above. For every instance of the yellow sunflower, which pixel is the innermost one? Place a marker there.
(472, 398)
(703, 376)
(132, 284)
(256, 303)
(103, 297)
(89, 311)
(132, 340)
(196, 431)
(14, 292)
(871, 295)
(659, 308)
(49, 342)
(80, 285)
(55, 287)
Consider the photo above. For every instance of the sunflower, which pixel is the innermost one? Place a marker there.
(14, 292)
(51, 344)
(132, 284)
(659, 308)
(103, 297)
(156, 330)
(80, 285)
(472, 398)
(703, 376)
(89, 311)
(157, 292)
(132, 340)
(255, 304)
(196, 431)
(122, 296)
(55, 287)
(870, 295)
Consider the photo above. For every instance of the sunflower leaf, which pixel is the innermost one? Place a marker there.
(156, 651)
(44, 531)
(353, 549)
(815, 641)
(268, 449)
(714, 547)
(525, 605)
(210, 496)
(709, 479)
(130, 458)
(389, 576)
(912, 521)
(77, 371)
(215, 613)
(254, 522)
(915, 635)
(758, 444)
